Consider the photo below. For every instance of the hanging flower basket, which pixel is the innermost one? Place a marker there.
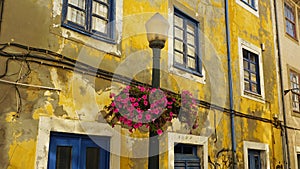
(139, 107)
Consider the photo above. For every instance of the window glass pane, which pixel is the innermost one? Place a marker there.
(63, 157)
(76, 16)
(298, 159)
(99, 25)
(178, 45)
(247, 85)
(253, 67)
(254, 87)
(92, 157)
(246, 75)
(187, 150)
(78, 3)
(253, 77)
(178, 57)
(191, 51)
(100, 9)
(178, 33)
(191, 39)
(191, 63)
(178, 21)
(246, 66)
(190, 28)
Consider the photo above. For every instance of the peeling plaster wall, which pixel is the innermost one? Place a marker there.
(81, 97)
(257, 31)
(290, 49)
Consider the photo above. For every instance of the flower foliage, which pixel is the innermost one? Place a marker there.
(138, 106)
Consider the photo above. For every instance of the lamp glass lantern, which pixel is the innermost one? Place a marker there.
(157, 31)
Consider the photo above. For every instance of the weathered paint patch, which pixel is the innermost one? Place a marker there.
(22, 154)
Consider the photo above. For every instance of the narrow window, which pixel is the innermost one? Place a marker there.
(72, 151)
(186, 43)
(290, 21)
(186, 157)
(251, 72)
(251, 3)
(298, 160)
(254, 159)
(91, 17)
(294, 77)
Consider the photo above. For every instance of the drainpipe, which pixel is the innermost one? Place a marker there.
(230, 85)
(1, 12)
(286, 141)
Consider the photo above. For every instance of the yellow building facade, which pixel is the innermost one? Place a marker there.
(62, 59)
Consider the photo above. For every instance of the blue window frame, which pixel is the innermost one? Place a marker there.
(71, 151)
(186, 157)
(94, 18)
(250, 3)
(254, 159)
(251, 72)
(186, 43)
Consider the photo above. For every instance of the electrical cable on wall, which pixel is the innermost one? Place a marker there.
(50, 58)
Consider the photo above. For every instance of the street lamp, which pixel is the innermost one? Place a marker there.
(157, 33)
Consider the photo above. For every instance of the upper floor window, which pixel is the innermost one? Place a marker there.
(290, 20)
(251, 3)
(251, 72)
(294, 78)
(186, 43)
(90, 17)
(254, 159)
(186, 157)
(72, 151)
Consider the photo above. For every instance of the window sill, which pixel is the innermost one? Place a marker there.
(251, 9)
(189, 71)
(197, 77)
(107, 46)
(253, 96)
(92, 35)
(294, 39)
(296, 114)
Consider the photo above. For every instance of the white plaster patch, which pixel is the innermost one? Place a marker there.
(169, 139)
(264, 148)
(46, 125)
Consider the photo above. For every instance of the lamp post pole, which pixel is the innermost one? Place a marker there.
(153, 161)
(157, 30)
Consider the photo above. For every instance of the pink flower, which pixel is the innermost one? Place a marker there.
(113, 104)
(159, 132)
(135, 104)
(169, 103)
(145, 103)
(144, 97)
(116, 110)
(148, 116)
(171, 114)
(140, 116)
(142, 89)
(132, 99)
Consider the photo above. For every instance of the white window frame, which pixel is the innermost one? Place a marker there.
(264, 148)
(248, 8)
(168, 140)
(297, 151)
(102, 45)
(172, 69)
(47, 124)
(256, 50)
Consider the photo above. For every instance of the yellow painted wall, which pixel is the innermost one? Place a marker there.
(83, 96)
